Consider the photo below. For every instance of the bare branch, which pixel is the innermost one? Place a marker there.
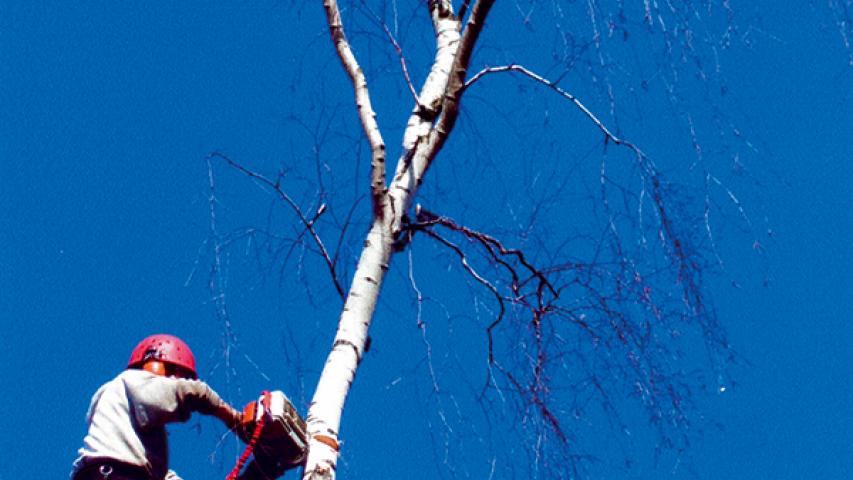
(464, 8)
(309, 224)
(412, 163)
(362, 101)
(397, 48)
(537, 391)
(609, 136)
(687, 267)
(480, 279)
(344, 228)
(439, 99)
(426, 218)
(456, 83)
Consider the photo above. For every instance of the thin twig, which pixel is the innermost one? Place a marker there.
(610, 136)
(397, 48)
(463, 9)
(309, 224)
(425, 217)
(479, 278)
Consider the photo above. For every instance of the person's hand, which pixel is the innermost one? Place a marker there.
(247, 420)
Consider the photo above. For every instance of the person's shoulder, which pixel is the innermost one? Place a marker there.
(135, 374)
(117, 386)
(133, 378)
(123, 377)
(137, 378)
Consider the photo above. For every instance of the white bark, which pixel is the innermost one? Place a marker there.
(324, 415)
(419, 150)
(412, 163)
(362, 101)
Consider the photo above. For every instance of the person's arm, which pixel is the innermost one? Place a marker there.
(197, 396)
(159, 400)
(228, 416)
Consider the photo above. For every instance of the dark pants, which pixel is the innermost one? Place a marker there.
(111, 471)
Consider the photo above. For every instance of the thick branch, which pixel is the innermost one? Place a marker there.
(456, 83)
(412, 164)
(339, 371)
(362, 101)
(423, 140)
(324, 415)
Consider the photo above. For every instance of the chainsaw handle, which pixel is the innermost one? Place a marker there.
(257, 427)
(252, 416)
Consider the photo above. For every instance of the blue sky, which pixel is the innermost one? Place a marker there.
(108, 115)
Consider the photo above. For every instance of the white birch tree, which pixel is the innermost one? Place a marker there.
(431, 121)
(622, 313)
(433, 117)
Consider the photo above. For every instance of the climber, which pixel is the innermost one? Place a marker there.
(127, 417)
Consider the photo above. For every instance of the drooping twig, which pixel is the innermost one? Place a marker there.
(426, 218)
(678, 252)
(397, 48)
(480, 279)
(537, 391)
(609, 136)
(306, 222)
(216, 277)
(496, 251)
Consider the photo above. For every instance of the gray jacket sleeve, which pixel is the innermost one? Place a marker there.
(156, 400)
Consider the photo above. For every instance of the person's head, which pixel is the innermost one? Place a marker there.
(165, 355)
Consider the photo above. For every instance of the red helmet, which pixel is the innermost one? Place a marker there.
(165, 348)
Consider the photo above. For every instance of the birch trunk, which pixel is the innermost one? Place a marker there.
(324, 416)
(428, 126)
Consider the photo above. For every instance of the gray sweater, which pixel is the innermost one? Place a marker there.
(128, 415)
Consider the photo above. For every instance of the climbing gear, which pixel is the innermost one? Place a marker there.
(164, 348)
(111, 470)
(277, 435)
